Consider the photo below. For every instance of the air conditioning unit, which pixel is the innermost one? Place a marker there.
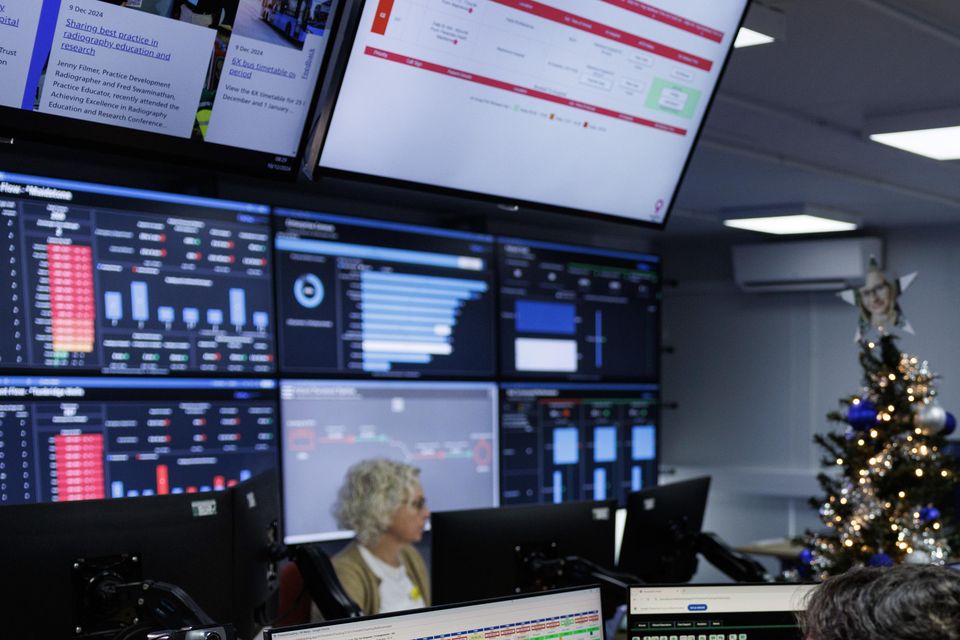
(807, 265)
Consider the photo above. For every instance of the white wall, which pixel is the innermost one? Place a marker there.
(753, 376)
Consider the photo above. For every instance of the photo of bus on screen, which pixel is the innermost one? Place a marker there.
(294, 19)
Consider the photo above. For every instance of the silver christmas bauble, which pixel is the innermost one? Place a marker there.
(931, 416)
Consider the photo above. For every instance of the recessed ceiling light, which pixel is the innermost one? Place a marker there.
(942, 143)
(791, 224)
(750, 38)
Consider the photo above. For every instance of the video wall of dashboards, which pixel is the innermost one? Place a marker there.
(161, 343)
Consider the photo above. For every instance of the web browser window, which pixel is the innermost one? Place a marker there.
(718, 612)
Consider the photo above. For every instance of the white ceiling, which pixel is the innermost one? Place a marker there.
(787, 125)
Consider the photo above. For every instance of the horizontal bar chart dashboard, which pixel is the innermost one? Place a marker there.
(365, 297)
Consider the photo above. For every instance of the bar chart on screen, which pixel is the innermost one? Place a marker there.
(121, 281)
(375, 298)
(84, 438)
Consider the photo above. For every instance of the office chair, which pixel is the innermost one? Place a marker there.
(323, 585)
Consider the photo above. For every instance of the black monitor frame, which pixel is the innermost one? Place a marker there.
(256, 540)
(480, 553)
(660, 537)
(42, 542)
(214, 546)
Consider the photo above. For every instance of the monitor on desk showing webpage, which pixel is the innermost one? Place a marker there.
(716, 612)
(183, 76)
(588, 105)
(560, 615)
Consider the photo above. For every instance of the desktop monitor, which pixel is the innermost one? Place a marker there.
(578, 313)
(447, 429)
(227, 83)
(256, 537)
(180, 539)
(486, 553)
(125, 281)
(66, 439)
(370, 298)
(577, 441)
(660, 535)
(716, 612)
(572, 614)
(578, 106)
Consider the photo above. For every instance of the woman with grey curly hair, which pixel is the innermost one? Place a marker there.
(382, 501)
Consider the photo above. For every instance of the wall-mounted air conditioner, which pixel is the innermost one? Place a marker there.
(806, 265)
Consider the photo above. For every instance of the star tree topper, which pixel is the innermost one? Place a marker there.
(878, 302)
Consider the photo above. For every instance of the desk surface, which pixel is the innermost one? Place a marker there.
(782, 548)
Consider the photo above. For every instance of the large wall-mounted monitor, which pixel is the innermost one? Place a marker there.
(66, 439)
(563, 442)
(447, 429)
(186, 77)
(590, 106)
(578, 313)
(371, 298)
(127, 281)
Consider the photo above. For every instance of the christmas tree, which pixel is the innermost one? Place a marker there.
(890, 492)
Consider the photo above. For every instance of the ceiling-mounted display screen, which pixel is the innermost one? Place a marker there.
(590, 105)
(239, 73)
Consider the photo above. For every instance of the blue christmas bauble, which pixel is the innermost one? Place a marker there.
(950, 425)
(862, 415)
(806, 556)
(880, 560)
(929, 514)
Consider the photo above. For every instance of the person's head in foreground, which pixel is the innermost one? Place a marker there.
(903, 602)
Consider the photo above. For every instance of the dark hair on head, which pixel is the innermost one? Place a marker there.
(904, 602)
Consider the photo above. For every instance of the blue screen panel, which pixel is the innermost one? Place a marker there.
(546, 317)
(644, 443)
(605, 444)
(566, 446)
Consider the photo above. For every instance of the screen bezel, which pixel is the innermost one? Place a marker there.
(57, 129)
(281, 633)
(338, 70)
